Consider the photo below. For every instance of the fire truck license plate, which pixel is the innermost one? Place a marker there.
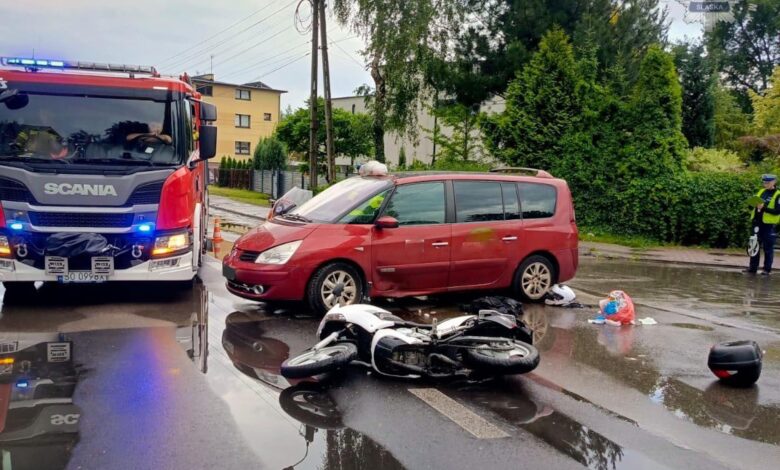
(82, 276)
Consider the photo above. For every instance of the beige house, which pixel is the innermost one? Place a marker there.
(245, 113)
(421, 149)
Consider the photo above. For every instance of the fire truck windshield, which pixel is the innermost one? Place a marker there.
(51, 128)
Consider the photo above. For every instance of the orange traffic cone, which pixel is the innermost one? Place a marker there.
(217, 237)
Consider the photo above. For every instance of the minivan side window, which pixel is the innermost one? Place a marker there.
(418, 204)
(537, 200)
(366, 212)
(478, 201)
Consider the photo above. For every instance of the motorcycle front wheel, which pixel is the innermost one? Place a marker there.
(502, 357)
(326, 359)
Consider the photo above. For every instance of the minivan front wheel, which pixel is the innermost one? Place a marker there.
(335, 284)
(534, 278)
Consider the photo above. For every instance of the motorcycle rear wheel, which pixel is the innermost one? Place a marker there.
(503, 357)
(311, 363)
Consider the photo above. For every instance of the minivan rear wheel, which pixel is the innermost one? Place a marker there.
(534, 278)
(335, 284)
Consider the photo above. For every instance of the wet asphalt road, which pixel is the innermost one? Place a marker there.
(189, 379)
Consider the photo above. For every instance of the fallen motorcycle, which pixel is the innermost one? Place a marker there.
(487, 344)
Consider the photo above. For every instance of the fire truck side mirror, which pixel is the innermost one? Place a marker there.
(208, 112)
(207, 142)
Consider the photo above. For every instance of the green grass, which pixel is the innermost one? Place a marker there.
(241, 195)
(589, 234)
(600, 236)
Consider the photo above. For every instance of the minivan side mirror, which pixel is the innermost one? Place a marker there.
(386, 222)
(207, 142)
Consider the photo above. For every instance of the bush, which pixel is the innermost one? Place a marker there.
(270, 154)
(690, 209)
(702, 159)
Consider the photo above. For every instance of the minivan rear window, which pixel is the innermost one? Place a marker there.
(478, 201)
(537, 200)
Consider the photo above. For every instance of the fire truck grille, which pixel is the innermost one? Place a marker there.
(15, 191)
(11, 190)
(146, 194)
(70, 219)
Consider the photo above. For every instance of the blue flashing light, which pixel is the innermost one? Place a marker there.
(16, 226)
(28, 62)
(57, 63)
(14, 61)
(145, 228)
(23, 383)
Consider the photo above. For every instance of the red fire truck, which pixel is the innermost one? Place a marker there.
(102, 173)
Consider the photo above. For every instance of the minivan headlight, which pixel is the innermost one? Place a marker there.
(279, 254)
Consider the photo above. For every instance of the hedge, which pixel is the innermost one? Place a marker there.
(690, 209)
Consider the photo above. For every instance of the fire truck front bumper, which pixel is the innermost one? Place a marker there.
(174, 268)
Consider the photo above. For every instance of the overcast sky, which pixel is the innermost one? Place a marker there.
(264, 45)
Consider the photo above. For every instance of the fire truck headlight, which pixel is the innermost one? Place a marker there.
(5, 247)
(172, 243)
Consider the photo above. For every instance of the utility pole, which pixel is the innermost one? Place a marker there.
(313, 125)
(328, 103)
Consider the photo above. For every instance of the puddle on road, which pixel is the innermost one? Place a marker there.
(692, 326)
(704, 292)
(255, 343)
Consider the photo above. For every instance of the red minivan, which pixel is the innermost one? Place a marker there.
(411, 234)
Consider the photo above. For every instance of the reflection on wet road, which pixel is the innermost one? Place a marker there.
(704, 292)
(133, 376)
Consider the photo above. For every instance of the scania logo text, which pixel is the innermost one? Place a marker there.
(78, 189)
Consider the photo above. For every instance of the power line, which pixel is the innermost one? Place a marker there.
(363, 66)
(283, 66)
(244, 51)
(216, 34)
(181, 61)
(242, 69)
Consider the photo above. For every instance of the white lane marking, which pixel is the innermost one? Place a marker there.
(478, 426)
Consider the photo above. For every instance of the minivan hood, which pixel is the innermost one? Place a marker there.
(271, 234)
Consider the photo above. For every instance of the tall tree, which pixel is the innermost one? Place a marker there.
(541, 106)
(748, 48)
(731, 122)
(351, 132)
(500, 36)
(698, 82)
(657, 144)
(400, 36)
(462, 141)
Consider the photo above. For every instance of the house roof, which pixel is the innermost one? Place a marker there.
(208, 80)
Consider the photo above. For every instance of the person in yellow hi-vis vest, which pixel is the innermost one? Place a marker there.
(765, 217)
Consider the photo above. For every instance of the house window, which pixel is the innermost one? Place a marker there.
(242, 120)
(242, 148)
(206, 90)
(243, 94)
(266, 116)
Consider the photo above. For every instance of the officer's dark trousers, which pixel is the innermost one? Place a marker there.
(767, 236)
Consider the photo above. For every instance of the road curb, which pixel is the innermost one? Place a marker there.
(242, 214)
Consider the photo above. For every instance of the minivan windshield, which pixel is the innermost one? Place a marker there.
(328, 206)
(51, 128)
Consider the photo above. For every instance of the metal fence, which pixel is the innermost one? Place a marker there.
(272, 182)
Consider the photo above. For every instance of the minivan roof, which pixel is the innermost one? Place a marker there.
(420, 176)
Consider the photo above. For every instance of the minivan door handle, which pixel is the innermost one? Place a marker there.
(437, 244)
(509, 239)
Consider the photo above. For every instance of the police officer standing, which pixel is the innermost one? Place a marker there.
(765, 217)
